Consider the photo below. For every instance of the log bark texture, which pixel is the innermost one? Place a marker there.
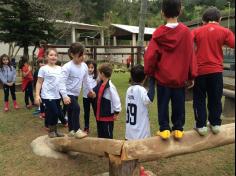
(154, 148)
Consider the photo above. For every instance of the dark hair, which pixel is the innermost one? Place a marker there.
(76, 48)
(58, 63)
(1, 61)
(211, 14)
(171, 8)
(106, 69)
(22, 61)
(137, 74)
(95, 72)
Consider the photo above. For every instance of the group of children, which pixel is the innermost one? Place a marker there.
(176, 58)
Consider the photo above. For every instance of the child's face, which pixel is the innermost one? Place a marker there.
(52, 57)
(77, 58)
(5, 61)
(90, 69)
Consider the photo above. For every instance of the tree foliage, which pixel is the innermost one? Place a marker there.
(23, 23)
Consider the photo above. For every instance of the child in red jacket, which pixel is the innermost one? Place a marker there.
(209, 40)
(170, 59)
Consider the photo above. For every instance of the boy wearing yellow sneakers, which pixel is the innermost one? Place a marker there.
(170, 59)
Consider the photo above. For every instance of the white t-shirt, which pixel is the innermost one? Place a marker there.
(51, 84)
(92, 83)
(137, 119)
(74, 76)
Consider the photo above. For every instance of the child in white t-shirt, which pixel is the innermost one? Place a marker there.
(137, 100)
(49, 82)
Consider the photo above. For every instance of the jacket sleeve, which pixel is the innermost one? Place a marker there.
(2, 78)
(115, 99)
(193, 67)
(230, 39)
(150, 58)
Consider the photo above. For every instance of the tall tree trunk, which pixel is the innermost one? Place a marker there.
(26, 51)
(142, 19)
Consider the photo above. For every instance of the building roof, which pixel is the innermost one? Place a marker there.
(133, 29)
(80, 26)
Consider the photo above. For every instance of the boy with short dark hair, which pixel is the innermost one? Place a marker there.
(108, 105)
(209, 40)
(170, 59)
(137, 100)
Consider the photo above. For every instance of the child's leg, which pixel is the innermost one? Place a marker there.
(27, 95)
(199, 101)
(6, 92)
(105, 129)
(93, 101)
(86, 104)
(13, 92)
(178, 108)
(73, 114)
(31, 94)
(215, 93)
(163, 98)
(61, 116)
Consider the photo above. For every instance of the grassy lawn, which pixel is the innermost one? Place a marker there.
(19, 128)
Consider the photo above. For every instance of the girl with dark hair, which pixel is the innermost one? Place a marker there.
(8, 78)
(92, 81)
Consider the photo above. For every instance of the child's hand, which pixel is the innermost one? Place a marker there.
(189, 84)
(92, 94)
(66, 100)
(10, 84)
(37, 100)
(116, 117)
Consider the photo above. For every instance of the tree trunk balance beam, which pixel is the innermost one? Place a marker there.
(124, 156)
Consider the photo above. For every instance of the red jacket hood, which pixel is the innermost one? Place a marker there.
(168, 38)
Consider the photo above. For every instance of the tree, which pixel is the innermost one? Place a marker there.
(23, 23)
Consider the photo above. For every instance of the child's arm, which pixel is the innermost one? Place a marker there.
(38, 88)
(230, 39)
(62, 85)
(2, 78)
(26, 72)
(148, 97)
(115, 99)
(151, 58)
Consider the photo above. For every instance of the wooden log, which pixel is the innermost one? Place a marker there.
(229, 93)
(154, 148)
(90, 145)
(122, 168)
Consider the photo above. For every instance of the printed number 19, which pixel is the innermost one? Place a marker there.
(131, 114)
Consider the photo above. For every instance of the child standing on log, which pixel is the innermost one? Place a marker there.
(107, 101)
(75, 74)
(209, 40)
(8, 78)
(137, 100)
(49, 86)
(170, 59)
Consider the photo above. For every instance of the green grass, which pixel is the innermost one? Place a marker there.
(19, 128)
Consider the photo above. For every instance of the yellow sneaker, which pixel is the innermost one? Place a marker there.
(178, 134)
(164, 134)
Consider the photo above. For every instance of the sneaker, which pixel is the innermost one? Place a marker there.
(178, 134)
(6, 107)
(215, 129)
(42, 115)
(15, 105)
(71, 133)
(202, 131)
(86, 130)
(80, 134)
(52, 134)
(164, 134)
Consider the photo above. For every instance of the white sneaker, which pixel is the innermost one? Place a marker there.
(202, 131)
(80, 134)
(71, 133)
(215, 129)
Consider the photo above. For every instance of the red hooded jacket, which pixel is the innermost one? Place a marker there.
(170, 56)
